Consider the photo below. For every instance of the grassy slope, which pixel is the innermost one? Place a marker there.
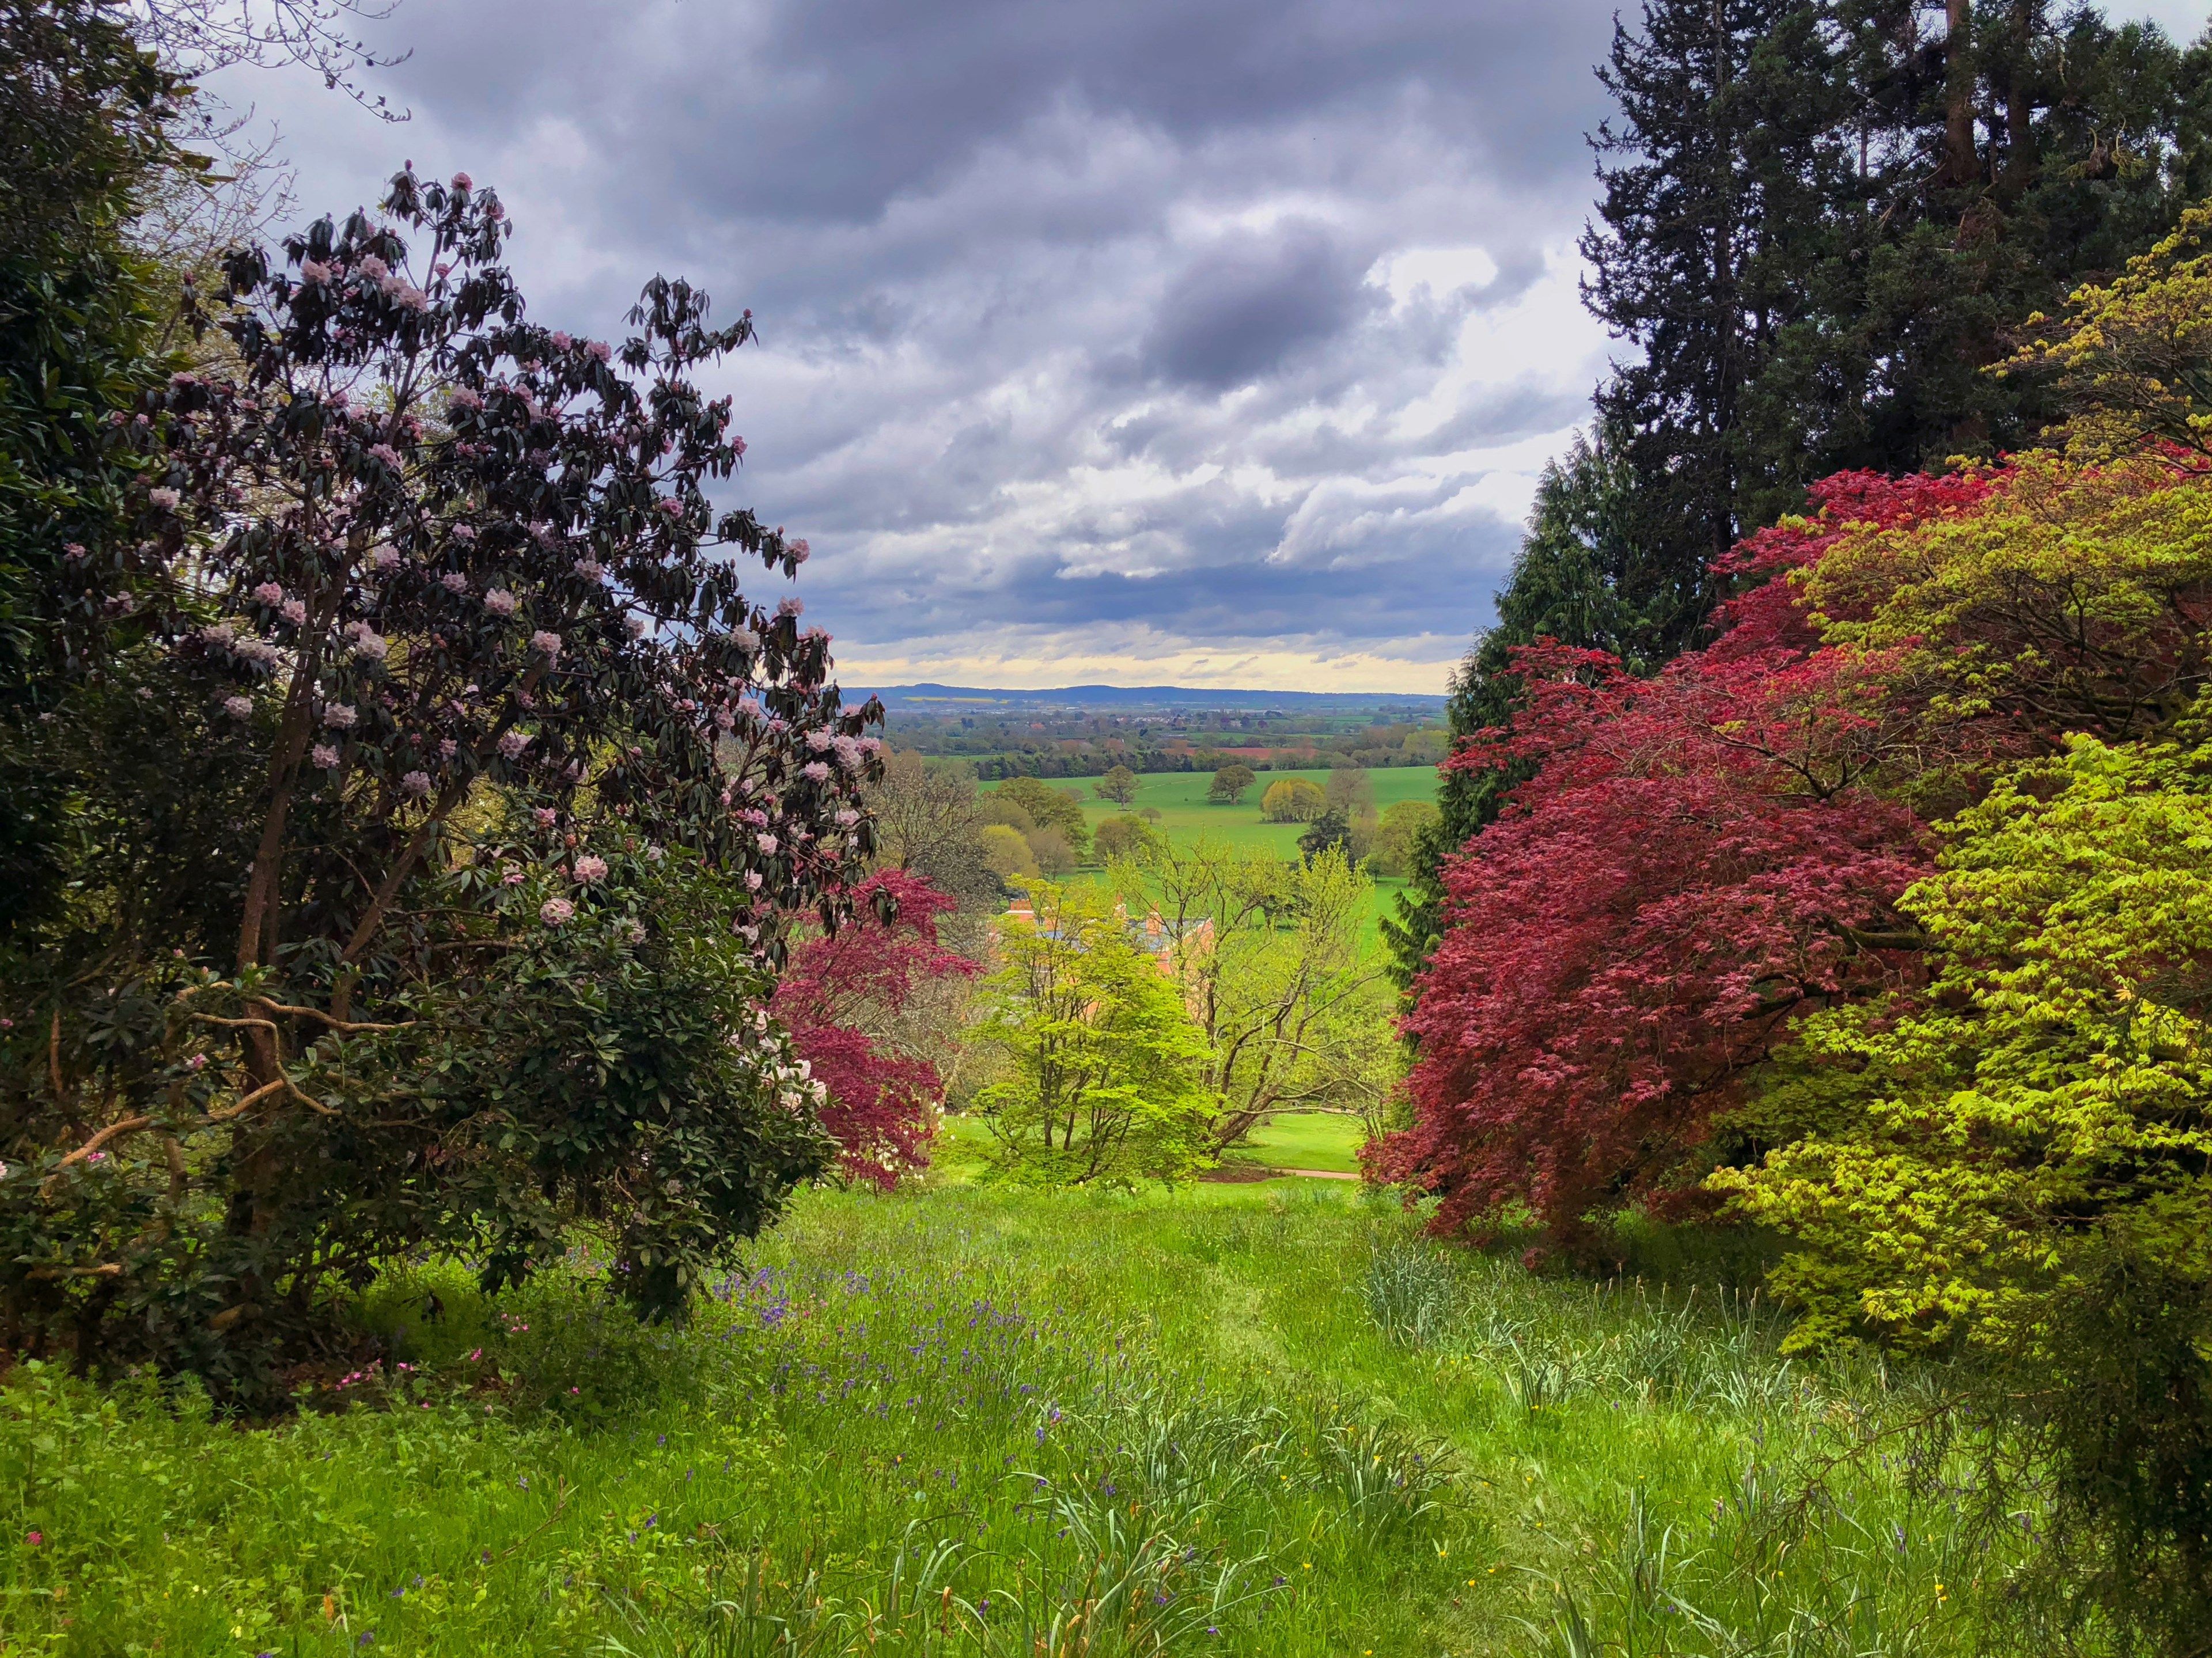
(1185, 812)
(1306, 1139)
(940, 1422)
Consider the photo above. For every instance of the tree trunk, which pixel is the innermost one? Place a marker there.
(1961, 165)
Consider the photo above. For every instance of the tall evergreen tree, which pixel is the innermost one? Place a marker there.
(1582, 577)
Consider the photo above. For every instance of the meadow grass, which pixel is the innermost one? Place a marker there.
(1267, 1419)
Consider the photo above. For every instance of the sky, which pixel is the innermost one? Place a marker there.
(1212, 342)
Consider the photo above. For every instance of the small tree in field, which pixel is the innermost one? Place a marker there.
(443, 817)
(1230, 784)
(1106, 1068)
(1119, 786)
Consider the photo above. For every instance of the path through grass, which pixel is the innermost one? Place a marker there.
(1239, 1420)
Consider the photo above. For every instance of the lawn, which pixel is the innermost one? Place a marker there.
(1305, 1140)
(1186, 813)
(1267, 1419)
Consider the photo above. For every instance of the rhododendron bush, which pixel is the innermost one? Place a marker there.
(443, 818)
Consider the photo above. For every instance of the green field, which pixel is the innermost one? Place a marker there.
(1261, 1419)
(1185, 812)
(1306, 1139)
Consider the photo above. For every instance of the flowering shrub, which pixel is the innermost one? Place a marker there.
(443, 646)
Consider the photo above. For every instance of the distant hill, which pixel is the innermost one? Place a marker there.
(954, 699)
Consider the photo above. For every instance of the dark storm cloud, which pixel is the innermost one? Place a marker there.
(1222, 320)
(1250, 300)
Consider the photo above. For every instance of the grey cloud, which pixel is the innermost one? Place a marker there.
(1250, 300)
(1075, 315)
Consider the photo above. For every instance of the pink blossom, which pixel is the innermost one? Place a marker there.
(871, 745)
(454, 582)
(462, 398)
(561, 340)
(672, 506)
(799, 550)
(73, 550)
(513, 743)
(753, 879)
(598, 350)
(546, 817)
(513, 877)
(340, 716)
(385, 558)
(198, 1061)
(238, 708)
(766, 843)
(387, 453)
(637, 625)
(816, 771)
(818, 739)
(654, 853)
(462, 181)
(465, 533)
(546, 641)
(848, 754)
(218, 633)
(738, 445)
(292, 610)
(269, 593)
(415, 782)
(848, 818)
(447, 748)
(555, 911)
(369, 644)
(324, 755)
(369, 265)
(500, 602)
(745, 639)
(590, 568)
(313, 271)
(790, 606)
(589, 868)
(164, 499)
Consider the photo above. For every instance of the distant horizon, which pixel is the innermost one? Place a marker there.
(1100, 690)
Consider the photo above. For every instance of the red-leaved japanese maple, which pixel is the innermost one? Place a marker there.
(841, 997)
(1696, 861)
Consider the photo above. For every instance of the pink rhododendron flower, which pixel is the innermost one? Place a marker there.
(512, 744)
(385, 558)
(312, 271)
(818, 739)
(590, 568)
(73, 550)
(790, 606)
(462, 181)
(370, 266)
(462, 398)
(598, 350)
(546, 641)
(561, 340)
(818, 770)
(753, 879)
(555, 911)
(164, 499)
(500, 602)
(546, 817)
(238, 708)
(324, 755)
(269, 593)
(799, 550)
(454, 582)
(387, 453)
(340, 715)
(415, 783)
(293, 611)
(512, 878)
(766, 843)
(589, 868)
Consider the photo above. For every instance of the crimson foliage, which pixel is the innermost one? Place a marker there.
(1695, 861)
(841, 996)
